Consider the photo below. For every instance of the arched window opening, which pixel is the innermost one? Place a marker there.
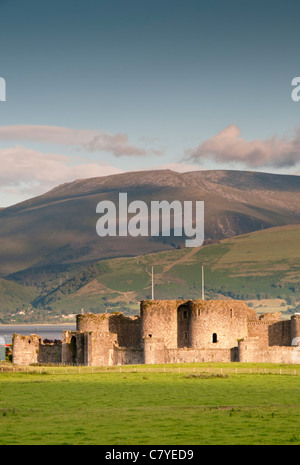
(214, 338)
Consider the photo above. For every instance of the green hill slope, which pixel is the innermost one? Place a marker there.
(14, 299)
(256, 266)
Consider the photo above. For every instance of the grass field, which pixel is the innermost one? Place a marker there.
(185, 405)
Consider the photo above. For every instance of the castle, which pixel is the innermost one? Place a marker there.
(169, 331)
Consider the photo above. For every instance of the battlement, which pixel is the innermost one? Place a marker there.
(168, 331)
(32, 349)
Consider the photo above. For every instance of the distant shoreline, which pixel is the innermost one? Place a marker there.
(37, 324)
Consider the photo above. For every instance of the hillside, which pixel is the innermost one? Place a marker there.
(262, 268)
(53, 236)
(15, 298)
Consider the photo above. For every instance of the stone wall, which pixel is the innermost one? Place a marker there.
(218, 324)
(249, 352)
(101, 349)
(92, 322)
(126, 329)
(28, 350)
(280, 333)
(74, 348)
(295, 326)
(25, 349)
(271, 330)
(196, 324)
(154, 350)
(159, 320)
(247, 348)
(124, 356)
(169, 331)
(89, 348)
(201, 355)
(50, 353)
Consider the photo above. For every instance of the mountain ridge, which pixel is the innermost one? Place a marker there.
(159, 178)
(58, 228)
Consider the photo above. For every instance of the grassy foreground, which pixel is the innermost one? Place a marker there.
(155, 408)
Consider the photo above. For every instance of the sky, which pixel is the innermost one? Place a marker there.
(100, 87)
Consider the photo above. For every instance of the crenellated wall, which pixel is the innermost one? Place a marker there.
(126, 328)
(270, 330)
(31, 349)
(250, 351)
(25, 349)
(169, 331)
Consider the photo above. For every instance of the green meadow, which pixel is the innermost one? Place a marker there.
(203, 404)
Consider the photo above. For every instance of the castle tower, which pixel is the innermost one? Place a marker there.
(26, 349)
(217, 324)
(295, 327)
(159, 320)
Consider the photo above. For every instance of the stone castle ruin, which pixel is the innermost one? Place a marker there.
(169, 331)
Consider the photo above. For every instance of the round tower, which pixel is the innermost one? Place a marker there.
(93, 322)
(295, 327)
(242, 353)
(159, 320)
(217, 324)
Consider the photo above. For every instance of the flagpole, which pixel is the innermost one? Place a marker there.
(152, 285)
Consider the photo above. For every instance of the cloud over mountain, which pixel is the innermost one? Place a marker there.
(229, 146)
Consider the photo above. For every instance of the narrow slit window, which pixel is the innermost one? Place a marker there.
(214, 337)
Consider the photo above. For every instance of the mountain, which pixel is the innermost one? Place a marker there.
(50, 238)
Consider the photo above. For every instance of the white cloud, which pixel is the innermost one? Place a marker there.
(29, 172)
(91, 140)
(229, 146)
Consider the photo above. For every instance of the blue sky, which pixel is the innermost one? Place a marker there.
(100, 87)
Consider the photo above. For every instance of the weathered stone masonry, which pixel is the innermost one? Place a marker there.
(168, 331)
